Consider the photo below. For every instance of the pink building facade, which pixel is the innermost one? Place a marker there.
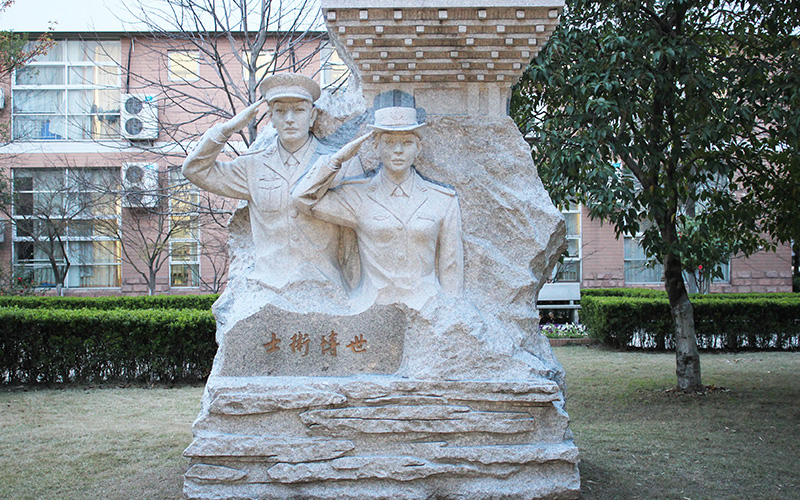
(97, 130)
(67, 122)
(608, 262)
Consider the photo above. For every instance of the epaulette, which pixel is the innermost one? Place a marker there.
(440, 188)
(267, 150)
(355, 180)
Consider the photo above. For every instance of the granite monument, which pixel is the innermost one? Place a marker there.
(403, 363)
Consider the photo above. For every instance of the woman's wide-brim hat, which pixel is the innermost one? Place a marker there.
(289, 85)
(396, 119)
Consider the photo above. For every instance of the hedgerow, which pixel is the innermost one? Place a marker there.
(201, 302)
(45, 345)
(722, 321)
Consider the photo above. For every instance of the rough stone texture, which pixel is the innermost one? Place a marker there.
(278, 449)
(463, 439)
(278, 342)
(214, 473)
(249, 404)
(463, 399)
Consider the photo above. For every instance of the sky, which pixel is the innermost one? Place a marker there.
(68, 15)
(26, 16)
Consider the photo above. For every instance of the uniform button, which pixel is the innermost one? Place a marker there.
(295, 237)
(293, 213)
(402, 256)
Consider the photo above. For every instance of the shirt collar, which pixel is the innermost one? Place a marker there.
(288, 158)
(403, 189)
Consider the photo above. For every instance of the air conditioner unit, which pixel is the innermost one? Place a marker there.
(139, 116)
(139, 185)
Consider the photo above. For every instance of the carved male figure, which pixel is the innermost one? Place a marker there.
(289, 246)
(408, 228)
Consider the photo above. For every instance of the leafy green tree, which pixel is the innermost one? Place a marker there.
(15, 50)
(656, 115)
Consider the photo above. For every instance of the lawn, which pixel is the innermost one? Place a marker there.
(637, 438)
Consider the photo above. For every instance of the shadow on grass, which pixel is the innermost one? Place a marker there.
(599, 483)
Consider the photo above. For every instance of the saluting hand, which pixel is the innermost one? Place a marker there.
(349, 150)
(242, 118)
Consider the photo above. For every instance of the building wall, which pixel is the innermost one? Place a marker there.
(603, 264)
(183, 116)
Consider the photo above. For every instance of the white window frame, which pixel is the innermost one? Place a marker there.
(69, 239)
(647, 263)
(572, 210)
(184, 74)
(264, 70)
(65, 88)
(333, 71)
(179, 182)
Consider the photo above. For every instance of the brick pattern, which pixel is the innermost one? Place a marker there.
(603, 264)
(435, 45)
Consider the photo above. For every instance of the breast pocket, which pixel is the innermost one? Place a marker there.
(269, 195)
(425, 226)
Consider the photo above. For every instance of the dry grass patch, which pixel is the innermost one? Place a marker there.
(96, 443)
(639, 439)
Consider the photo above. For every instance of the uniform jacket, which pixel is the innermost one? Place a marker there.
(410, 245)
(285, 241)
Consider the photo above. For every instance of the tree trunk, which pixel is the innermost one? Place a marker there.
(686, 353)
(151, 283)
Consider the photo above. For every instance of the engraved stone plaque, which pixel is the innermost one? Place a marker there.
(276, 342)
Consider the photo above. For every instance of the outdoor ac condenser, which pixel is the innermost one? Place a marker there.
(139, 116)
(139, 185)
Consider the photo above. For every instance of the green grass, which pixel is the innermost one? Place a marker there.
(95, 443)
(637, 438)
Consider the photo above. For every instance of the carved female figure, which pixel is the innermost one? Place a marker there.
(408, 228)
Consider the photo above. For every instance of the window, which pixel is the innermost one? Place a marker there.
(638, 267)
(183, 65)
(70, 216)
(569, 269)
(264, 64)
(70, 93)
(333, 71)
(184, 266)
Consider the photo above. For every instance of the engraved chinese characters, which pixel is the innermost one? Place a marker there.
(300, 342)
(277, 342)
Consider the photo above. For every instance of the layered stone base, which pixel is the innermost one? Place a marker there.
(381, 437)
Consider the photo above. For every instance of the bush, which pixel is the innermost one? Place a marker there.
(77, 345)
(796, 284)
(200, 302)
(564, 331)
(622, 292)
(722, 321)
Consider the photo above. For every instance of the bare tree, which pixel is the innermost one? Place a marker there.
(57, 215)
(163, 224)
(204, 61)
(207, 58)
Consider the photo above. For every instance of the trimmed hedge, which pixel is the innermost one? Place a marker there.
(722, 321)
(649, 292)
(200, 302)
(91, 345)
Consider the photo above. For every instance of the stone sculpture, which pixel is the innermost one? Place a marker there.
(408, 228)
(427, 380)
(291, 246)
